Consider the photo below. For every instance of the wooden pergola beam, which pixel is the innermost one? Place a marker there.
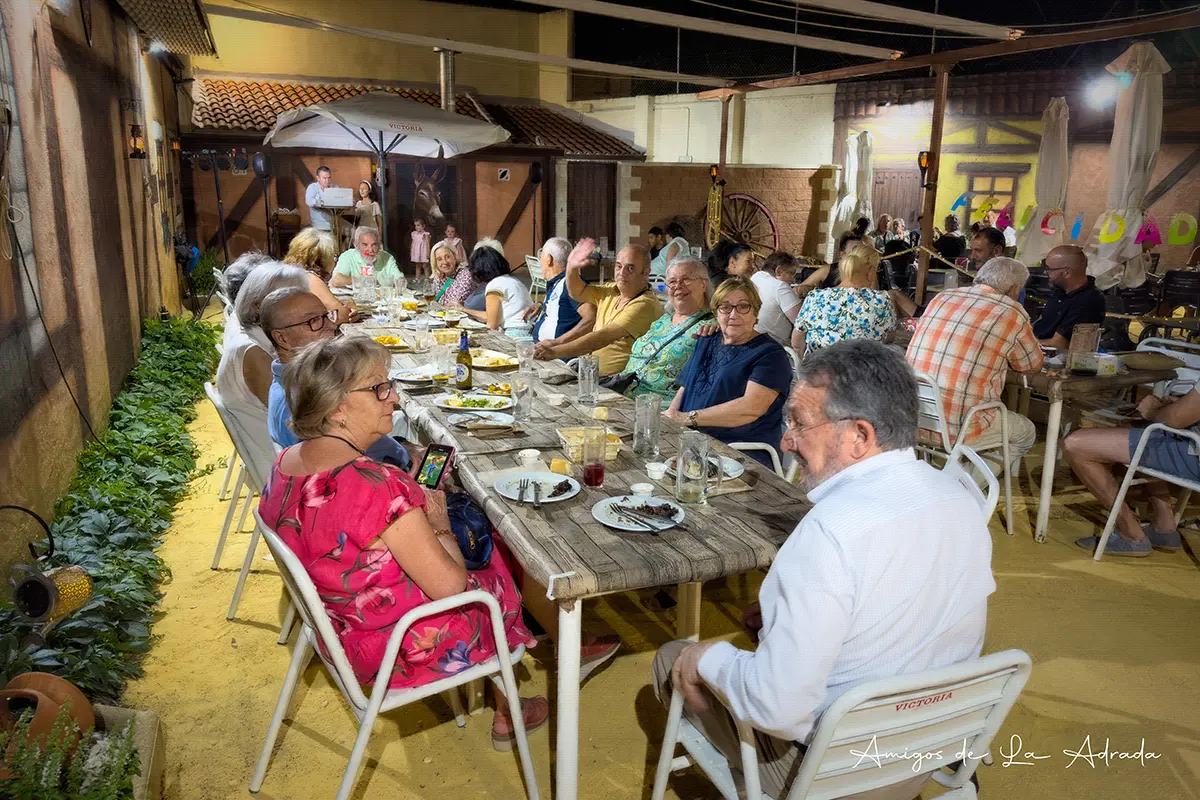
(1026, 44)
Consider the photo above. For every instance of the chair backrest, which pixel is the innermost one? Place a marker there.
(1187, 352)
(535, 267)
(794, 358)
(257, 456)
(866, 739)
(1181, 287)
(930, 413)
(954, 467)
(222, 289)
(307, 602)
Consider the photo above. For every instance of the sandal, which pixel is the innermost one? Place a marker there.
(536, 712)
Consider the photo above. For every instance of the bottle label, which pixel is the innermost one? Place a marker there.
(462, 373)
(367, 270)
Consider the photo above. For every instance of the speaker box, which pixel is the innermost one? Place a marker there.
(262, 165)
(535, 173)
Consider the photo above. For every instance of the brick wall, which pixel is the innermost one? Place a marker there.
(799, 199)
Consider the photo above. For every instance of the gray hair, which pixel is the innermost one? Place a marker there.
(263, 281)
(237, 272)
(1005, 275)
(488, 241)
(270, 317)
(869, 381)
(363, 230)
(700, 267)
(558, 248)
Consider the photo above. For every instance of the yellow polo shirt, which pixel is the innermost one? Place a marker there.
(635, 318)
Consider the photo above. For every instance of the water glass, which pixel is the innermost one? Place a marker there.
(445, 359)
(364, 290)
(522, 395)
(588, 370)
(528, 364)
(692, 468)
(647, 411)
(401, 284)
(595, 446)
(387, 293)
(421, 338)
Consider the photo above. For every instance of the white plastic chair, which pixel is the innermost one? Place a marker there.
(772, 453)
(953, 466)
(945, 712)
(1187, 352)
(220, 293)
(1135, 466)
(536, 279)
(315, 626)
(932, 417)
(794, 358)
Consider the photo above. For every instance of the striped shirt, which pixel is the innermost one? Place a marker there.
(966, 340)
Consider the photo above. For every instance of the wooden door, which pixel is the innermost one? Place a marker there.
(897, 193)
(592, 201)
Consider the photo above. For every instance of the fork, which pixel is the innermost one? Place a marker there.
(521, 489)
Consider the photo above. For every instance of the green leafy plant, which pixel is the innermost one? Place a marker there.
(202, 275)
(100, 768)
(113, 515)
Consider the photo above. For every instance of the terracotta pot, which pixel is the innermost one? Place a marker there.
(61, 691)
(48, 693)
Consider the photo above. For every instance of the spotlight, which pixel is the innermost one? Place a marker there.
(1103, 92)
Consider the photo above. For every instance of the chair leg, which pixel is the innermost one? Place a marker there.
(456, 704)
(667, 755)
(300, 658)
(241, 581)
(1184, 498)
(230, 466)
(233, 503)
(289, 619)
(1116, 510)
(250, 495)
(518, 718)
(475, 704)
(1008, 467)
(748, 750)
(360, 749)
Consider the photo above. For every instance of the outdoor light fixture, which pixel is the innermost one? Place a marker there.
(1103, 91)
(923, 165)
(47, 597)
(137, 143)
(175, 145)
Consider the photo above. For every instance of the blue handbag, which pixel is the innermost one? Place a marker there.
(471, 528)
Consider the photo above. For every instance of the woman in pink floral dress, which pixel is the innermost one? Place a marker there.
(376, 544)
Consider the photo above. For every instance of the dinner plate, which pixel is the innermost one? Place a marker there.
(509, 486)
(342, 292)
(496, 417)
(422, 374)
(495, 402)
(430, 322)
(603, 512)
(732, 468)
(471, 324)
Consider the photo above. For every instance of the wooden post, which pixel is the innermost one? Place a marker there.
(724, 132)
(941, 86)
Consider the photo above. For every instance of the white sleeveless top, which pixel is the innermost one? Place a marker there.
(247, 412)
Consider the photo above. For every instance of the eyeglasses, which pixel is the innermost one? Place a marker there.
(678, 282)
(382, 390)
(726, 309)
(796, 429)
(314, 323)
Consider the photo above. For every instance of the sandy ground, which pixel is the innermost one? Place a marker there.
(1114, 645)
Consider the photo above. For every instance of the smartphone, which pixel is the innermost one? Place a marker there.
(435, 465)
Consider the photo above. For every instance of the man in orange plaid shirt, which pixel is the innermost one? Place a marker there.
(966, 340)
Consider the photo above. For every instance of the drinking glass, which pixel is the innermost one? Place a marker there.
(647, 411)
(444, 363)
(522, 395)
(387, 293)
(401, 284)
(595, 443)
(589, 380)
(420, 329)
(364, 290)
(691, 469)
(604, 244)
(528, 365)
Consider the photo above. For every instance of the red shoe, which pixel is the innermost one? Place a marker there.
(536, 711)
(595, 653)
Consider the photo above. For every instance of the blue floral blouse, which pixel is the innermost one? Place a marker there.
(657, 369)
(830, 315)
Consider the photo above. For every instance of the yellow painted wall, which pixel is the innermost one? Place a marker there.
(554, 37)
(256, 48)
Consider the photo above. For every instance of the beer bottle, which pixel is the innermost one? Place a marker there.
(462, 369)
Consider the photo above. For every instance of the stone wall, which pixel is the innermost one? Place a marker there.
(799, 199)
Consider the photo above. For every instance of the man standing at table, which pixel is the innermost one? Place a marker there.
(625, 310)
(966, 340)
(314, 198)
(888, 574)
(1074, 300)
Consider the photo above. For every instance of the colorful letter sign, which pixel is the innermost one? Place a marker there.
(1051, 214)
(1182, 230)
(1077, 226)
(1149, 233)
(1112, 227)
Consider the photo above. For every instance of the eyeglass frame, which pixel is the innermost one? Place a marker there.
(679, 281)
(330, 315)
(391, 384)
(730, 308)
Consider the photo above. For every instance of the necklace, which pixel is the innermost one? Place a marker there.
(343, 439)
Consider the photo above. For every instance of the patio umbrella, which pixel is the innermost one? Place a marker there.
(1137, 134)
(866, 176)
(1050, 188)
(382, 123)
(843, 212)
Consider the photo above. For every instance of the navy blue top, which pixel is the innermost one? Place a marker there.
(477, 300)
(717, 373)
(568, 309)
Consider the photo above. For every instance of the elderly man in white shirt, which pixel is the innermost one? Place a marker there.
(888, 574)
(314, 198)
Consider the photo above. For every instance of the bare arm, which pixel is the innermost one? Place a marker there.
(1057, 340)
(576, 261)
(587, 343)
(318, 287)
(905, 307)
(799, 340)
(742, 411)
(339, 280)
(256, 372)
(814, 281)
(425, 557)
(1182, 413)
(587, 320)
(676, 401)
(495, 310)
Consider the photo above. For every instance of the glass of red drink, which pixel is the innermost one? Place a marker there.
(594, 445)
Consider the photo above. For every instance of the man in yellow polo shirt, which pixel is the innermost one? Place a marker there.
(625, 310)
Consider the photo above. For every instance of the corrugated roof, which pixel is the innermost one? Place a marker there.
(252, 105)
(179, 25)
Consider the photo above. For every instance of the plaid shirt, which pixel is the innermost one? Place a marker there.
(966, 340)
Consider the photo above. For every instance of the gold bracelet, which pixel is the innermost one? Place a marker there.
(445, 533)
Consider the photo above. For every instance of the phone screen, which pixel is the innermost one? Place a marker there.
(437, 458)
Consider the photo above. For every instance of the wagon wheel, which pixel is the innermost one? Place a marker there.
(744, 219)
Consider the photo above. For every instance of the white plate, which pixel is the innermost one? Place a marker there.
(498, 417)
(430, 322)
(342, 292)
(732, 468)
(471, 324)
(602, 512)
(509, 486)
(499, 402)
(415, 375)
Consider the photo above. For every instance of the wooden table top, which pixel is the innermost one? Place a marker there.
(732, 534)
(1064, 386)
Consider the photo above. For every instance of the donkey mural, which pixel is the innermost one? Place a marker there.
(427, 198)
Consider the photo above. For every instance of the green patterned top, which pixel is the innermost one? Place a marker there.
(657, 370)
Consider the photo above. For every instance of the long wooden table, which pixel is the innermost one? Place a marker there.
(564, 549)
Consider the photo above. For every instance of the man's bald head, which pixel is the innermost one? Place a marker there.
(1067, 266)
(632, 270)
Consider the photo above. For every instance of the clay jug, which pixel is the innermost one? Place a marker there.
(48, 694)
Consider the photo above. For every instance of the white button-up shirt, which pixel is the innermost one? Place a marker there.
(888, 574)
(314, 198)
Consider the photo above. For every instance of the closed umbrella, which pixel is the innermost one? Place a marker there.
(1050, 188)
(1137, 134)
(381, 123)
(866, 176)
(843, 213)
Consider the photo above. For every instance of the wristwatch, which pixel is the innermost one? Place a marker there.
(691, 417)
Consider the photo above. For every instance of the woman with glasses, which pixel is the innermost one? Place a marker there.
(662, 352)
(735, 384)
(374, 542)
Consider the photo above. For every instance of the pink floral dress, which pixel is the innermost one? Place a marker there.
(329, 520)
(419, 252)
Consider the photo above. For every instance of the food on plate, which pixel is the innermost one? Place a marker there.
(472, 402)
(661, 510)
(600, 413)
(500, 388)
(560, 488)
(389, 341)
(561, 466)
(490, 358)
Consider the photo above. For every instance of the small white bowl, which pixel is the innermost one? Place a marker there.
(555, 399)
(641, 489)
(656, 470)
(529, 458)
